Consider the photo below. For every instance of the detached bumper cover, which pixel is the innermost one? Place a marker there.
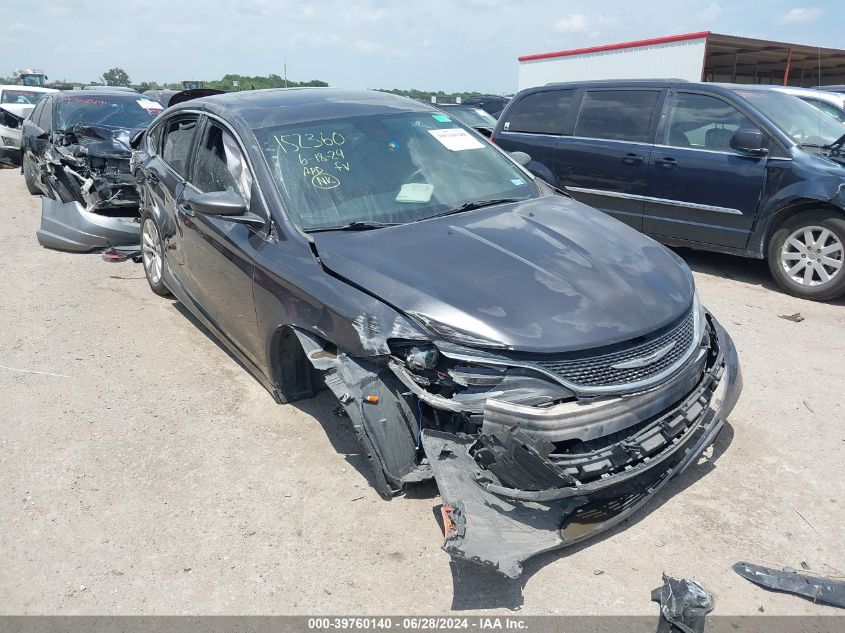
(493, 522)
(69, 227)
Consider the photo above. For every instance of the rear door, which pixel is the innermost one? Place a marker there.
(165, 175)
(604, 162)
(700, 189)
(533, 125)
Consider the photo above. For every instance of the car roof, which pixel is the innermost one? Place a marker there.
(822, 95)
(32, 88)
(280, 106)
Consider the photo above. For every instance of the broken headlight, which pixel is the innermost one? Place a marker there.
(422, 357)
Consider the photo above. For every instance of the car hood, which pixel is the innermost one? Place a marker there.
(20, 110)
(101, 140)
(545, 275)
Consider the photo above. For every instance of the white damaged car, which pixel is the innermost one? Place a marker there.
(16, 102)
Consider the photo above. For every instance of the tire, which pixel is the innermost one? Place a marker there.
(67, 188)
(806, 255)
(152, 254)
(31, 185)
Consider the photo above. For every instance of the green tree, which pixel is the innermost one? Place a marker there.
(115, 77)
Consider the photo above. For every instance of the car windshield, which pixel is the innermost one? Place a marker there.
(14, 95)
(473, 117)
(386, 169)
(120, 111)
(803, 123)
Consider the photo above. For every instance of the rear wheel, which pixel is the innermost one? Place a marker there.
(152, 254)
(28, 178)
(806, 255)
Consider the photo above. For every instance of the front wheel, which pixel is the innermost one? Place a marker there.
(28, 178)
(806, 255)
(152, 254)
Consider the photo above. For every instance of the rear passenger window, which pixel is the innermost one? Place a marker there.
(621, 115)
(178, 135)
(703, 122)
(540, 113)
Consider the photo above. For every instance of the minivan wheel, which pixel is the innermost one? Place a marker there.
(29, 181)
(806, 255)
(152, 255)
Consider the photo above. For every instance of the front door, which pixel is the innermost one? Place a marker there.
(700, 189)
(219, 251)
(605, 162)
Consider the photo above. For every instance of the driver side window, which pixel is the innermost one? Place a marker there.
(700, 121)
(178, 135)
(220, 164)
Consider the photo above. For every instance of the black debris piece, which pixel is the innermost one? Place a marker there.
(816, 588)
(683, 605)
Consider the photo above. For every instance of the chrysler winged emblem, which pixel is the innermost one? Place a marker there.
(650, 359)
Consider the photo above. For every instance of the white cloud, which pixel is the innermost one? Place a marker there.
(710, 14)
(367, 46)
(573, 23)
(801, 15)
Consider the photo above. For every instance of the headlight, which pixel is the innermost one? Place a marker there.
(422, 357)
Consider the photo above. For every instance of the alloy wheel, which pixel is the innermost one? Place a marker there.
(151, 251)
(812, 256)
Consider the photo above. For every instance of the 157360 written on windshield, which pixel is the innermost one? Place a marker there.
(316, 153)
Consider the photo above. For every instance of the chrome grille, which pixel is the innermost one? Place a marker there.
(598, 371)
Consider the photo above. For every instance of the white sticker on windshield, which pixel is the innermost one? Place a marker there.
(456, 139)
(415, 192)
(152, 106)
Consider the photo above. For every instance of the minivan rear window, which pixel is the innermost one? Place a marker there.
(622, 115)
(541, 113)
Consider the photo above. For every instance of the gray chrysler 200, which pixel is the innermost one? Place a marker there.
(548, 366)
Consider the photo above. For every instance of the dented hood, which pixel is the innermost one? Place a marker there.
(19, 110)
(545, 275)
(102, 140)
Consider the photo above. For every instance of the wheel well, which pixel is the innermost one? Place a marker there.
(293, 375)
(782, 215)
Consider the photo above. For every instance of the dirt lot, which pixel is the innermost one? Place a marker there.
(143, 471)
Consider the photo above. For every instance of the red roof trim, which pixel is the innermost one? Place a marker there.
(613, 47)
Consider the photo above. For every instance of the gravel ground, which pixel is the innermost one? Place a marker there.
(145, 472)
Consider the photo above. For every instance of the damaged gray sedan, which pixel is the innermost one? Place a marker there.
(550, 367)
(75, 153)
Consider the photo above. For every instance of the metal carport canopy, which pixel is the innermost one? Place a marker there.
(745, 60)
(702, 55)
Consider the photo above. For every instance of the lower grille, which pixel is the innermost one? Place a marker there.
(630, 364)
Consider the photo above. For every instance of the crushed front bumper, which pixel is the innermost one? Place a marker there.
(69, 227)
(489, 522)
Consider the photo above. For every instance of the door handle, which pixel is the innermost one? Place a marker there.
(666, 162)
(632, 159)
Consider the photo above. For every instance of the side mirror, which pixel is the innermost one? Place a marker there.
(521, 157)
(749, 140)
(226, 203)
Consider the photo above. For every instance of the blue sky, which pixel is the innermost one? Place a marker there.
(432, 44)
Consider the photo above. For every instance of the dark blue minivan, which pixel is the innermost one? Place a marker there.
(739, 169)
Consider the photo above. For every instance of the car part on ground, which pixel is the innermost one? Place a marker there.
(683, 605)
(549, 367)
(816, 588)
(68, 226)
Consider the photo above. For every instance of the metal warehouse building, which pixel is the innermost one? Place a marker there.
(702, 56)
